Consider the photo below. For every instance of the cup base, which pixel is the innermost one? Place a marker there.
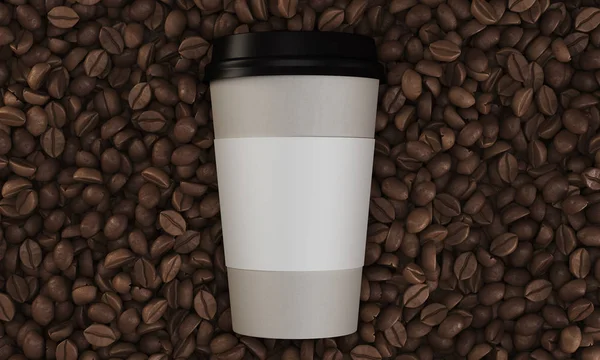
(294, 304)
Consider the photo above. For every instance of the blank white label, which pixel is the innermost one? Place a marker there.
(294, 204)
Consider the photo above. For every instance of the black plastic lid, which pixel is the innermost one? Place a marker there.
(294, 53)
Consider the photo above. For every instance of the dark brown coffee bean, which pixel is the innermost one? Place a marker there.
(30, 254)
(484, 12)
(382, 210)
(111, 40)
(330, 19)
(151, 121)
(507, 168)
(157, 177)
(591, 178)
(451, 326)
(546, 100)
(580, 263)
(418, 220)
(117, 258)
(154, 310)
(7, 308)
(538, 290)
(144, 273)
(580, 310)
(172, 222)
(10, 116)
(96, 63)
(447, 205)
(522, 101)
(413, 274)
(102, 313)
(169, 267)
(365, 352)
(504, 244)
(572, 290)
(465, 266)
(140, 96)
(193, 48)
(53, 142)
(589, 236)
(570, 339)
(393, 100)
(587, 20)
(66, 350)
(444, 51)
(63, 17)
(433, 314)
(388, 317)
(205, 305)
(99, 335)
(18, 288)
(415, 295)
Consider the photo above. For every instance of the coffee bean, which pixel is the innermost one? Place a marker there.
(433, 314)
(444, 51)
(580, 310)
(117, 258)
(447, 205)
(28, 17)
(10, 116)
(99, 335)
(388, 317)
(157, 177)
(393, 100)
(507, 168)
(330, 19)
(7, 308)
(96, 63)
(140, 96)
(465, 266)
(522, 101)
(151, 121)
(193, 48)
(484, 12)
(538, 290)
(205, 305)
(63, 17)
(172, 222)
(418, 220)
(520, 5)
(53, 142)
(504, 244)
(111, 40)
(365, 352)
(154, 310)
(30, 254)
(413, 274)
(451, 326)
(588, 236)
(66, 350)
(587, 20)
(570, 339)
(572, 290)
(580, 263)
(415, 296)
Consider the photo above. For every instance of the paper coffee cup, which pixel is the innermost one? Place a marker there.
(294, 119)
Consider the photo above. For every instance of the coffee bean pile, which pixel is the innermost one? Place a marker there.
(484, 235)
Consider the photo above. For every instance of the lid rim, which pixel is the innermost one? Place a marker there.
(280, 66)
(294, 53)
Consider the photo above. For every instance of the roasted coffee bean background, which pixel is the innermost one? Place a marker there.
(484, 235)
